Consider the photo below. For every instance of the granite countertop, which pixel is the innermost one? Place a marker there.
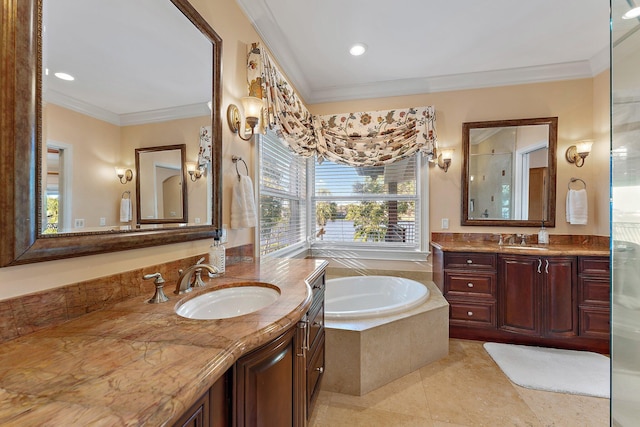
(529, 249)
(136, 363)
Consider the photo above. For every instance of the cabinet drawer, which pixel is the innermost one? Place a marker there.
(472, 314)
(475, 284)
(594, 291)
(594, 266)
(476, 261)
(315, 370)
(316, 322)
(317, 286)
(594, 322)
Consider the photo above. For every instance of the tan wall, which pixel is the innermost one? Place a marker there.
(571, 101)
(581, 107)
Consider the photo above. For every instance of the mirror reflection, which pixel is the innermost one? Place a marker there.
(114, 80)
(161, 195)
(509, 172)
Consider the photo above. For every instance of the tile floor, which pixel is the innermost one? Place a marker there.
(466, 388)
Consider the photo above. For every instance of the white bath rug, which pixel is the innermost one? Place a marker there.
(562, 371)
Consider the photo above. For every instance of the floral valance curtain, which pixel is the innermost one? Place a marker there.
(283, 111)
(375, 138)
(356, 139)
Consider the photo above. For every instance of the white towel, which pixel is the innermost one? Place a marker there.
(125, 210)
(243, 207)
(577, 207)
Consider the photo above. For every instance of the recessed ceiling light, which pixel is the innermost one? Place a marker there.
(358, 49)
(64, 76)
(633, 13)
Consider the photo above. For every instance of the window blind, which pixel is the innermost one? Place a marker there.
(367, 205)
(283, 196)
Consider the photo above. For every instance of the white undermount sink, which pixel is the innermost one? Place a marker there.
(533, 248)
(228, 302)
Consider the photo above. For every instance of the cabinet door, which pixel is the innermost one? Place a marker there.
(264, 382)
(561, 297)
(519, 294)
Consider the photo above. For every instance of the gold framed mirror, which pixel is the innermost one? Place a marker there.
(23, 148)
(509, 172)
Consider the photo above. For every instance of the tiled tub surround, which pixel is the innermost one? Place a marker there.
(134, 363)
(363, 355)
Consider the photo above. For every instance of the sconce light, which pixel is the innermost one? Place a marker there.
(125, 175)
(577, 153)
(194, 171)
(252, 108)
(444, 159)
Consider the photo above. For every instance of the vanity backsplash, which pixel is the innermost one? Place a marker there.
(29, 313)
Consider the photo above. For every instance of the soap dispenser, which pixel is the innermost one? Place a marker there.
(543, 235)
(217, 257)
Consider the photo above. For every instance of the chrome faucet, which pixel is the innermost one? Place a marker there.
(186, 277)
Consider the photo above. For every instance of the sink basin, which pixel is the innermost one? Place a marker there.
(227, 302)
(528, 248)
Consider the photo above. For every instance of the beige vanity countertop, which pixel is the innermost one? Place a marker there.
(136, 363)
(534, 249)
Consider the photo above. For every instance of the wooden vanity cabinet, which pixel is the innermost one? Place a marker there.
(470, 289)
(556, 301)
(212, 409)
(538, 295)
(594, 292)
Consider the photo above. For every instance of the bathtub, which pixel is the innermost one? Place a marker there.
(362, 297)
(379, 329)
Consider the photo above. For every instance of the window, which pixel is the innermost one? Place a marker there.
(367, 206)
(282, 196)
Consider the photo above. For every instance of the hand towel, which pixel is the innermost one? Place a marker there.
(243, 207)
(125, 210)
(577, 207)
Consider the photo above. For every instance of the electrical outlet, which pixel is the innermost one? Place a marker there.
(103, 221)
(79, 223)
(197, 220)
(445, 223)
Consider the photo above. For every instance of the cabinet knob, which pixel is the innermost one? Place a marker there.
(469, 313)
(469, 261)
(470, 285)
(320, 369)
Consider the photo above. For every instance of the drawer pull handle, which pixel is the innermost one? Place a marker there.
(470, 285)
(469, 261)
(469, 313)
(320, 369)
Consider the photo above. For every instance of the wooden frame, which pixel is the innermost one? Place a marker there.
(20, 136)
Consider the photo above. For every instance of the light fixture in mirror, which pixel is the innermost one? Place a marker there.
(27, 133)
(577, 153)
(125, 175)
(252, 110)
(194, 171)
(509, 172)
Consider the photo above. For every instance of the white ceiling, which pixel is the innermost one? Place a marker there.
(422, 46)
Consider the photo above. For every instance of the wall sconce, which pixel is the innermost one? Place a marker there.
(444, 159)
(194, 171)
(125, 175)
(577, 153)
(252, 108)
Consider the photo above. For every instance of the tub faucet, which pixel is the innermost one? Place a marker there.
(184, 281)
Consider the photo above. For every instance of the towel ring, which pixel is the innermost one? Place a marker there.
(236, 159)
(572, 180)
(126, 193)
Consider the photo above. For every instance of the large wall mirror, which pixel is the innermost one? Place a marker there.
(509, 172)
(135, 75)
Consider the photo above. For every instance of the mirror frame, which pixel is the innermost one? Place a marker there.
(552, 122)
(183, 159)
(20, 149)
